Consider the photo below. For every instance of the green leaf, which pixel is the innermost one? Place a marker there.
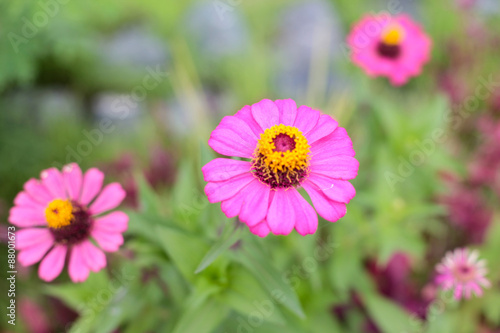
(76, 295)
(201, 319)
(186, 250)
(246, 295)
(220, 246)
(148, 199)
(389, 317)
(491, 302)
(259, 264)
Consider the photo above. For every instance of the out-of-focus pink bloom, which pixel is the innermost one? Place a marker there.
(35, 319)
(59, 214)
(462, 271)
(467, 210)
(159, 172)
(485, 165)
(394, 281)
(161, 168)
(394, 47)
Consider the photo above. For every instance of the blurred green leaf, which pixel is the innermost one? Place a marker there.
(389, 317)
(148, 199)
(246, 295)
(272, 279)
(233, 235)
(201, 319)
(186, 250)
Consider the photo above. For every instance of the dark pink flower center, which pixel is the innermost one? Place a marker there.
(464, 273)
(388, 51)
(283, 143)
(281, 157)
(79, 228)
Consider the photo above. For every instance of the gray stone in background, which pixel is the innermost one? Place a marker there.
(59, 104)
(307, 27)
(134, 47)
(174, 116)
(48, 106)
(217, 28)
(121, 109)
(488, 7)
(395, 7)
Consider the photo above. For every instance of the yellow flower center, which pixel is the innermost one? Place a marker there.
(281, 157)
(59, 213)
(393, 35)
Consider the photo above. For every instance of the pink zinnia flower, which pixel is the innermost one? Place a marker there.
(394, 47)
(59, 213)
(462, 271)
(286, 148)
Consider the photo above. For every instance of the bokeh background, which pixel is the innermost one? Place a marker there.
(135, 88)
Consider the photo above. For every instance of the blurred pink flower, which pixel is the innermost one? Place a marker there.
(159, 172)
(59, 213)
(467, 210)
(394, 47)
(462, 271)
(34, 317)
(286, 148)
(394, 281)
(485, 165)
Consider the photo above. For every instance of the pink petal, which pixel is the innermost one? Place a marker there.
(476, 289)
(266, 113)
(26, 217)
(32, 236)
(24, 199)
(342, 167)
(261, 229)
(232, 206)
(73, 180)
(92, 256)
(33, 254)
(221, 169)
(287, 110)
(111, 196)
(306, 119)
(218, 191)
(233, 137)
(335, 144)
(256, 203)
(113, 222)
(336, 190)
(78, 269)
(328, 209)
(109, 242)
(38, 192)
(92, 183)
(52, 265)
(458, 292)
(306, 219)
(281, 215)
(245, 114)
(53, 182)
(325, 126)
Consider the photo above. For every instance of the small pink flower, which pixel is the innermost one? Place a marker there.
(461, 270)
(58, 214)
(394, 47)
(285, 148)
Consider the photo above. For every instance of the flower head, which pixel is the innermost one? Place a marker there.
(461, 270)
(59, 214)
(394, 47)
(286, 148)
